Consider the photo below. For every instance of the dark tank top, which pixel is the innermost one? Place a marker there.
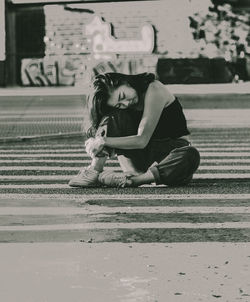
(172, 122)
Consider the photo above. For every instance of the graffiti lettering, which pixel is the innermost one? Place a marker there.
(104, 42)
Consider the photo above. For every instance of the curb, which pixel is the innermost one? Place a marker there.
(40, 137)
(218, 88)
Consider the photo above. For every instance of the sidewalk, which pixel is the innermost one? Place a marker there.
(49, 112)
(228, 88)
(40, 116)
(117, 272)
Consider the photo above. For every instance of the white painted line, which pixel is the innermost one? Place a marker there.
(34, 115)
(43, 151)
(227, 149)
(32, 168)
(41, 122)
(82, 198)
(80, 162)
(225, 154)
(34, 147)
(84, 155)
(82, 150)
(36, 186)
(231, 168)
(215, 176)
(223, 124)
(134, 225)
(224, 160)
(4, 211)
(87, 161)
(224, 167)
(213, 139)
(33, 155)
(81, 146)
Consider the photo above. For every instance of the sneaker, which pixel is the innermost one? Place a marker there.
(87, 177)
(113, 179)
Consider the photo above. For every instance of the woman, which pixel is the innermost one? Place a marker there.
(139, 120)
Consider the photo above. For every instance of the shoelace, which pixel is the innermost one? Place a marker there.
(81, 171)
(121, 181)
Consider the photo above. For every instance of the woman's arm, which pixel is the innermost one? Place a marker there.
(156, 98)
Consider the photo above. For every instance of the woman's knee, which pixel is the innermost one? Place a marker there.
(179, 166)
(122, 123)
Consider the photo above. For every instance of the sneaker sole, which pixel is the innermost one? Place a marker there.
(84, 186)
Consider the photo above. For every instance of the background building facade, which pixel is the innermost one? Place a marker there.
(184, 41)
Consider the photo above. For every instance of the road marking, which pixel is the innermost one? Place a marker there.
(84, 197)
(225, 167)
(84, 155)
(223, 149)
(133, 225)
(10, 211)
(87, 161)
(115, 168)
(210, 148)
(224, 160)
(44, 151)
(52, 161)
(197, 176)
(79, 146)
(33, 155)
(51, 168)
(41, 122)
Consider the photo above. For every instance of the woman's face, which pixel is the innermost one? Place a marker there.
(123, 97)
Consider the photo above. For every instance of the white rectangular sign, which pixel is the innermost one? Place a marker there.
(2, 30)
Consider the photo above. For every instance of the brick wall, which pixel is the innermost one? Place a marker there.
(68, 52)
(169, 18)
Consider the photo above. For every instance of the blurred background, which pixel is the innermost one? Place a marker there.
(65, 43)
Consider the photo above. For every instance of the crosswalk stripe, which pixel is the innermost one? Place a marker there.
(4, 211)
(80, 147)
(87, 161)
(83, 155)
(71, 168)
(134, 225)
(49, 169)
(91, 196)
(66, 177)
(41, 122)
(25, 169)
(41, 152)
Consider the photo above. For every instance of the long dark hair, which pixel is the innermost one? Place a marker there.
(102, 85)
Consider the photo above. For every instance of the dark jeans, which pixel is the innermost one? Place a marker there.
(176, 159)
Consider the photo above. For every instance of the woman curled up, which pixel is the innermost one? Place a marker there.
(137, 119)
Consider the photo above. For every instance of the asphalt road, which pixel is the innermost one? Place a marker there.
(152, 243)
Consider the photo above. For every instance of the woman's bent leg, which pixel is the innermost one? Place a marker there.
(178, 167)
(175, 170)
(128, 165)
(88, 176)
(125, 123)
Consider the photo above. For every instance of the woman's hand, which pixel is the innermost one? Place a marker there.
(94, 146)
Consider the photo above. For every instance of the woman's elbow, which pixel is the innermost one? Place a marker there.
(142, 142)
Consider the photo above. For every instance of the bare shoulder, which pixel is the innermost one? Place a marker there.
(158, 89)
(156, 85)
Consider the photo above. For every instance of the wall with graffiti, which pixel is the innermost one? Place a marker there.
(78, 70)
(85, 39)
